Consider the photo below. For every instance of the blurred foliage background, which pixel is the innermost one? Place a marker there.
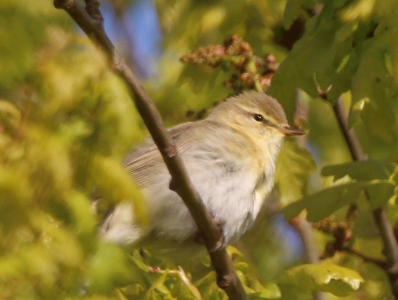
(66, 123)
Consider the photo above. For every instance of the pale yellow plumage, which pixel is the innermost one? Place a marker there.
(230, 158)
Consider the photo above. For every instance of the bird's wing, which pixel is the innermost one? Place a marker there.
(147, 160)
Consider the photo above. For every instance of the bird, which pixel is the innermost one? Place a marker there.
(230, 158)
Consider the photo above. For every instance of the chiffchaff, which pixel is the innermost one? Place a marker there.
(230, 158)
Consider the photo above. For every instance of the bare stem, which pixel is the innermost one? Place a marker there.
(375, 261)
(349, 134)
(304, 229)
(91, 22)
(300, 223)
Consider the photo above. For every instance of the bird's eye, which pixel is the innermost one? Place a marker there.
(258, 117)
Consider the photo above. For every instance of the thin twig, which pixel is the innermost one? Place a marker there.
(304, 229)
(227, 278)
(300, 223)
(379, 215)
(349, 134)
(366, 258)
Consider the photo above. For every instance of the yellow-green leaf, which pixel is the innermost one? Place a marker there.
(330, 278)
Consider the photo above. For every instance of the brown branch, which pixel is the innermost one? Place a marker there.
(349, 134)
(378, 262)
(379, 215)
(300, 223)
(92, 25)
(304, 229)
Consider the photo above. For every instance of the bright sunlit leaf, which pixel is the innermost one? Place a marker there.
(334, 279)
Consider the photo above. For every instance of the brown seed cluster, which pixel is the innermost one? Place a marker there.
(341, 232)
(248, 70)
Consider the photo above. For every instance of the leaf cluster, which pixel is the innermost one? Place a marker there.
(63, 133)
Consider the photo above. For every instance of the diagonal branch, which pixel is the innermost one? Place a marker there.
(378, 262)
(379, 215)
(91, 21)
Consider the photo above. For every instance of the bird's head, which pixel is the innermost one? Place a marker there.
(256, 114)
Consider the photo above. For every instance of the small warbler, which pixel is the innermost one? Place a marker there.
(230, 158)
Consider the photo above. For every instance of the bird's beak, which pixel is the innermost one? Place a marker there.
(290, 131)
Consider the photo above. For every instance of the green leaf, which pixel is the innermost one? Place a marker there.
(330, 278)
(109, 268)
(317, 47)
(341, 83)
(345, 31)
(377, 126)
(61, 243)
(17, 55)
(139, 261)
(370, 85)
(357, 10)
(292, 12)
(158, 286)
(15, 199)
(323, 203)
(293, 168)
(392, 63)
(380, 193)
(207, 279)
(365, 228)
(361, 170)
(271, 291)
(116, 185)
(293, 209)
(83, 218)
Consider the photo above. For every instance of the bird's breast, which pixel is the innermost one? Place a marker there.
(227, 188)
